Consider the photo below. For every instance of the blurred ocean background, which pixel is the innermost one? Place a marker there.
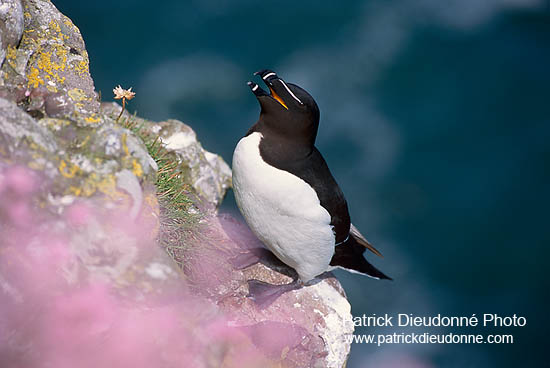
(435, 120)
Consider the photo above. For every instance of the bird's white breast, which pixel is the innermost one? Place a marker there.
(282, 210)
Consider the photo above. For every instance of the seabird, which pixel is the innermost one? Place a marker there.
(287, 194)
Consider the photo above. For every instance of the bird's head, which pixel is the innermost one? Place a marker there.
(288, 110)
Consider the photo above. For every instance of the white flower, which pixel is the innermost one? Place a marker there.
(126, 94)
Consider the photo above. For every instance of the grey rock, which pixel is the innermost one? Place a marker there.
(11, 26)
(51, 56)
(207, 172)
(318, 316)
(127, 181)
(20, 136)
(58, 105)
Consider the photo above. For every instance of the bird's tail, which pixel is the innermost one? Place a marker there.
(349, 256)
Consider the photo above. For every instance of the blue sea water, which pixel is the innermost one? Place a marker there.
(435, 120)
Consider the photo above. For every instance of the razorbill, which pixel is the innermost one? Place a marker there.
(287, 194)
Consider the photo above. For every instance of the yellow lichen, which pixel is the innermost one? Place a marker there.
(34, 78)
(93, 183)
(50, 57)
(84, 142)
(52, 68)
(54, 26)
(54, 124)
(93, 118)
(136, 168)
(75, 190)
(89, 185)
(81, 67)
(11, 56)
(28, 40)
(34, 165)
(61, 52)
(35, 147)
(68, 170)
(124, 145)
(76, 94)
(46, 64)
(108, 187)
(153, 203)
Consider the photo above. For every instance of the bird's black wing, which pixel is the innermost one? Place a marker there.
(313, 169)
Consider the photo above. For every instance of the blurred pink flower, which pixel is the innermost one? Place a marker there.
(78, 214)
(52, 315)
(20, 180)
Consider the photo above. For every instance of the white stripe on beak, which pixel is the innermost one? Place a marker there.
(289, 91)
(268, 75)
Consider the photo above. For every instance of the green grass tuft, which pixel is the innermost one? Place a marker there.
(179, 217)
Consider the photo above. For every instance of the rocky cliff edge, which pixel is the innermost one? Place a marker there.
(112, 251)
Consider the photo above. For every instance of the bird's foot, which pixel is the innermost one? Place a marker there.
(264, 294)
(249, 257)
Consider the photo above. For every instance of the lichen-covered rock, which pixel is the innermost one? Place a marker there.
(89, 288)
(207, 172)
(49, 60)
(77, 161)
(11, 25)
(50, 117)
(21, 138)
(50, 122)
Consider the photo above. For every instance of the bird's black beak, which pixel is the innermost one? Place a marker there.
(268, 76)
(258, 91)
